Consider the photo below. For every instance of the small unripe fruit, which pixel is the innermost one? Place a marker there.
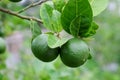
(74, 53)
(41, 50)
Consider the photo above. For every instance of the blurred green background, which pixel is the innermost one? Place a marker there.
(18, 62)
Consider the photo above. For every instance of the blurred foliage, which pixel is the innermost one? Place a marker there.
(9, 23)
(105, 64)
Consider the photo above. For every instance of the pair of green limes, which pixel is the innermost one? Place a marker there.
(73, 53)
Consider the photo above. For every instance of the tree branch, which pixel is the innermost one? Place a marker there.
(20, 16)
(32, 5)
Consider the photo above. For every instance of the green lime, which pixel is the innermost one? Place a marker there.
(41, 49)
(2, 46)
(74, 53)
(15, 0)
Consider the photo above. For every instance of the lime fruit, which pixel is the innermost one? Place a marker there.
(15, 0)
(41, 49)
(2, 46)
(74, 53)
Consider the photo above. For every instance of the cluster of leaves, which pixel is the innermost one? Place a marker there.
(78, 22)
(73, 16)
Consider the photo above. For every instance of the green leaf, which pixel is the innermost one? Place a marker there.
(59, 4)
(51, 18)
(73, 9)
(92, 29)
(45, 14)
(98, 6)
(85, 25)
(75, 26)
(35, 29)
(54, 42)
(56, 21)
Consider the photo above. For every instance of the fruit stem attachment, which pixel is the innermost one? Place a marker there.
(58, 35)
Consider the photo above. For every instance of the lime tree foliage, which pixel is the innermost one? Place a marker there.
(76, 17)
